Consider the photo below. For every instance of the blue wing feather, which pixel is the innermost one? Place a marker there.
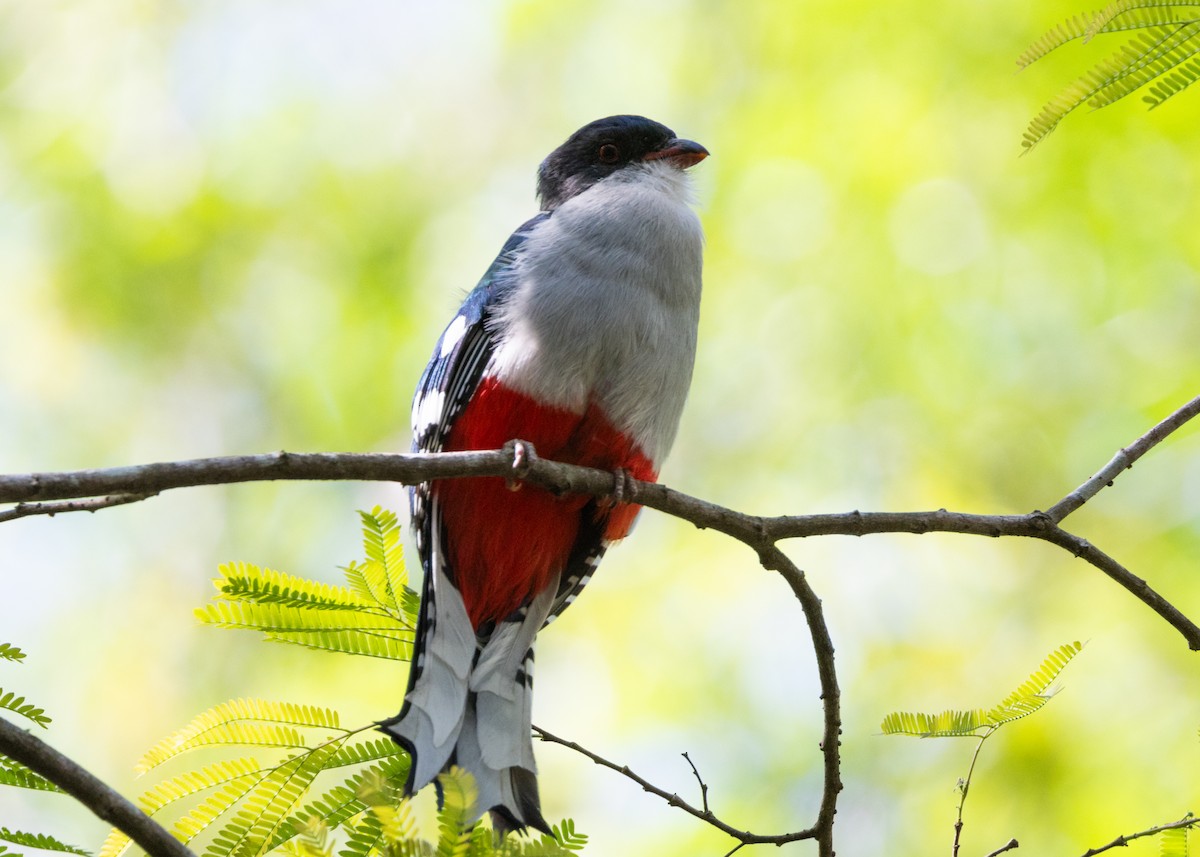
(453, 375)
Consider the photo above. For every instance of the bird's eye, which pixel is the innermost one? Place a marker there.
(609, 154)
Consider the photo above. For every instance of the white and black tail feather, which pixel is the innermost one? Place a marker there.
(470, 699)
(429, 724)
(500, 751)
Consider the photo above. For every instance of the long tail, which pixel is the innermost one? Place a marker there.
(469, 703)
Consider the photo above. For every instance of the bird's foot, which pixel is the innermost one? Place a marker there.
(523, 456)
(624, 487)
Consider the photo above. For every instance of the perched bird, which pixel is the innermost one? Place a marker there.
(580, 338)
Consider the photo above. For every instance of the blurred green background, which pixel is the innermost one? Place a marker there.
(233, 227)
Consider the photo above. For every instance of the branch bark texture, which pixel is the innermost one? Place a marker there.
(104, 801)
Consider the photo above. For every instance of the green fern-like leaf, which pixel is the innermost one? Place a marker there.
(1031, 695)
(458, 800)
(343, 801)
(193, 782)
(268, 805)
(364, 839)
(41, 841)
(383, 577)
(396, 823)
(17, 705)
(567, 837)
(215, 805)
(311, 841)
(1172, 84)
(9, 652)
(348, 631)
(1132, 56)
(247, 809)
(243, 581)
(1035, 691)
(13, 773)
(1173, 843)
(946, 724)
(116, 844)
(249, 722)
(1173, 50)
(367, 751)
(565, 842)
(1077, 28)
(1161, 54)
(1122, 8)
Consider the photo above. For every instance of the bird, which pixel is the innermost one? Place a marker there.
(580, 338)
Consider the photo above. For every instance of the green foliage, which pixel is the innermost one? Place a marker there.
(9, 701)
(376, 615)
(17, 704)
(981, 723)
(1163, 52)
(1173, 843)
(13, 773)
(326, 779)
(1031, 695)
(40, 841)
(458, 798)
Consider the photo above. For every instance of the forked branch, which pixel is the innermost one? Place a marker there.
(55, 493)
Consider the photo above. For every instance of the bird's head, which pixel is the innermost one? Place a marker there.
(601, 148)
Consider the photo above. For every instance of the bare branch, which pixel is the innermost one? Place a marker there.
(1121, 841)
(1007, 846)
(92, 504)
(774, 559)
(703, 785)
(745, 837)
(520, 460)
(44, 493)
(101, 799)
(1122, 461)
(1138, 587)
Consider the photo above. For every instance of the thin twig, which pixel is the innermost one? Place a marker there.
(85, 787)
(703, 785)
(1007, 846)
(745, 837)
(1187, 821)
(1122, 461)
(965, 787)
(59, 507)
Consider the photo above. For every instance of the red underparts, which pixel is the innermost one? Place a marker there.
(505, 546)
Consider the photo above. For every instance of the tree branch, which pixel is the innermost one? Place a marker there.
(774, 559)
(519, 460)
(1007, 846)
(92, 504)
(745, 837)
(1121, 841)
(1122, 461)
(37, 493)
(101, 799)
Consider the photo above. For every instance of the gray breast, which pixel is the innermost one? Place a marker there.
(607, 305)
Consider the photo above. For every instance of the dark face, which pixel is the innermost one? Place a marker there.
(599, 149)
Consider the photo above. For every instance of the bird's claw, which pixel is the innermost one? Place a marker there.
(523, 456)
(624, 486)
